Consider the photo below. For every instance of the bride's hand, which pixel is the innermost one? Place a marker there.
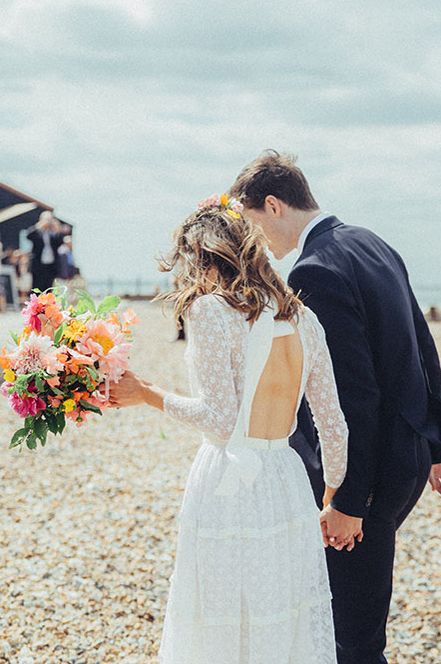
(340, 530)
(129, 391)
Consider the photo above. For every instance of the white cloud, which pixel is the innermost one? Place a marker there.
(38, 19)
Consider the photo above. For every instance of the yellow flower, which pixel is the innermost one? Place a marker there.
(69, 405)
(9, 375)
(224, 200)
(74, 331)
(105, 343)
(233, 214)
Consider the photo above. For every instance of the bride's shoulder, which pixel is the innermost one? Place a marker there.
(211, 304)
(308, 318)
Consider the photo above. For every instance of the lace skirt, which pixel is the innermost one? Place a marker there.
(250, 584)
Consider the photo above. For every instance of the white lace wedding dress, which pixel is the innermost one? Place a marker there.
(250, 584)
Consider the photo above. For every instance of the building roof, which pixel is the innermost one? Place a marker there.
(12, 196)
(15, 204)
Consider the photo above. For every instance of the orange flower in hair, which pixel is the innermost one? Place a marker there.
(234, 208)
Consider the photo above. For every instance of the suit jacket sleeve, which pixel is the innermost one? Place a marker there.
(431, 366)
(331, 298)
(32, 234)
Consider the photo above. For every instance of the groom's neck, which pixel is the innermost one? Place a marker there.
(298, 220)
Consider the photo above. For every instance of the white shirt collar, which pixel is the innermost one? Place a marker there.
(308, 228)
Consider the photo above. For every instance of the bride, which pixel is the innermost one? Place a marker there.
(250, 583)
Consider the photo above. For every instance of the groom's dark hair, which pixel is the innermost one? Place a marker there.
(273, 174)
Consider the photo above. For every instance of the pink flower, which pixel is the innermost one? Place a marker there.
(210, 201)
(105, 343)
(130, 317)
(25, 405)
(4, 389)
(237, 207)
(115, 363)
(31, 312)
(35, 353)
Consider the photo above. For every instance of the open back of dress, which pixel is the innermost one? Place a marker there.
(276, 400)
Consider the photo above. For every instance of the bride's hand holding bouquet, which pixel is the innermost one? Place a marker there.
(131, 390)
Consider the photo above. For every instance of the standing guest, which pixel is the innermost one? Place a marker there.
(46, 237)
(180, 322)
(24, 277)
(6, 256)
(65, 262)
(3, 302)
(181, 329)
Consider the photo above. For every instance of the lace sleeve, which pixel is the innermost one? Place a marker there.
(321, 394)
(214, 409)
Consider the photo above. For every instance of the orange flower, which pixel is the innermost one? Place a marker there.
(224, 200)
(77, 415)
(54, 315)
(79, 395)
(53, 382)
(47, 298)
(72, 366)
(5, 363)
(54, 401)
(114, 319)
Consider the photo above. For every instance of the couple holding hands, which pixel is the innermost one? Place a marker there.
(323, 393)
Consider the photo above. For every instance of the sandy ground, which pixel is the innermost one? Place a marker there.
(87, 532)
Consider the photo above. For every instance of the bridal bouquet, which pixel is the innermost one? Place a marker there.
(60, 358)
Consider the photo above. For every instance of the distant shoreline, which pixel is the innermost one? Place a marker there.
(427, 296)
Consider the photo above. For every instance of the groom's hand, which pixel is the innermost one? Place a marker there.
(340, 530)
(435, 477)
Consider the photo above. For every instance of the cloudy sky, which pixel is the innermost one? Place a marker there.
(124, 113)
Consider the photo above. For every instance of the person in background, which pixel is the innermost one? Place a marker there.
(65, 262)
(2, 288)
(6, 255)
(180, 323)
(46, 237)
(21, 261)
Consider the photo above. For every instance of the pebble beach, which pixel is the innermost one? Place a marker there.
(88, 530)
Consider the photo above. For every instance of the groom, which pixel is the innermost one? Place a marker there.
(389, 380)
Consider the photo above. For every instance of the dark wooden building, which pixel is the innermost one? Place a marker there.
(18, 212)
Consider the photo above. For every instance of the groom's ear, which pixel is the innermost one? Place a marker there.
(273, 206)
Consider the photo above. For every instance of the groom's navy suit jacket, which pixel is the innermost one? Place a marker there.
(385, 361)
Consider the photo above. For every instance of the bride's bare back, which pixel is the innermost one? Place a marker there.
(275, 401)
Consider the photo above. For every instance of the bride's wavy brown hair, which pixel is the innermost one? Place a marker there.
(211, 238)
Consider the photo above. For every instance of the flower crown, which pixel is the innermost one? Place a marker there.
(233, 207)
